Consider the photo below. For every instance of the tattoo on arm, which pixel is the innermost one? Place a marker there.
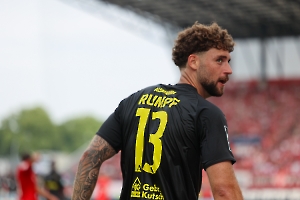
(88, 169)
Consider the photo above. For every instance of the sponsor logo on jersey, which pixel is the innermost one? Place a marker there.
(166, 92)
(136, 187)
(145, 191)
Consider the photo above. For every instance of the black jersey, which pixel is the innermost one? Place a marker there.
(166, 134)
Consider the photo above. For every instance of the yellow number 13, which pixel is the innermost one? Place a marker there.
(154, 138)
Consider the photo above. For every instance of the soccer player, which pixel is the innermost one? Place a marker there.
(53, 182)
(26, 179)
(168, 134)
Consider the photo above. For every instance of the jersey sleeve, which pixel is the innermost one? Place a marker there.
(111, 130)
(214, 145)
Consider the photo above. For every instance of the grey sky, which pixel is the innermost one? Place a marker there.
(74, 63)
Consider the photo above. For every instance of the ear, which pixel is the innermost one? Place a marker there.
(193, 61)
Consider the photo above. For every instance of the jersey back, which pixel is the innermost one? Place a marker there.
(161, 132)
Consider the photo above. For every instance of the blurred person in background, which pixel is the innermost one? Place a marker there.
(53, 182)
(8, 184)
(28, 188)
(168, 133)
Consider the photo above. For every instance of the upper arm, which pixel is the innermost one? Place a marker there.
(88, 169)
(99, 150)
(214, 144)
(223, 182)
(111, 130)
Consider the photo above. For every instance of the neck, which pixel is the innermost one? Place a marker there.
(186, 78)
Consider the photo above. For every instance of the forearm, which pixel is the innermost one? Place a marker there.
(230, 193)
(88, 168)
(86, 176)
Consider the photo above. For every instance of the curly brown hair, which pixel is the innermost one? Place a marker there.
(199, 38)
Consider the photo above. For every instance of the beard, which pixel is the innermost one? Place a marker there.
(211, 88)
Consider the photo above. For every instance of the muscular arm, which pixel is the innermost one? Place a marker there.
(223, 182)
(89, 165)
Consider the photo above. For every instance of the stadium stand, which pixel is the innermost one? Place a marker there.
(263, 121)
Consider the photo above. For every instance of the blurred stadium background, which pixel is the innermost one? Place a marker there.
(261, 102)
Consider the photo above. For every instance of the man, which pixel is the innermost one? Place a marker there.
(53, 182)
(26, 179)
(168, 133)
